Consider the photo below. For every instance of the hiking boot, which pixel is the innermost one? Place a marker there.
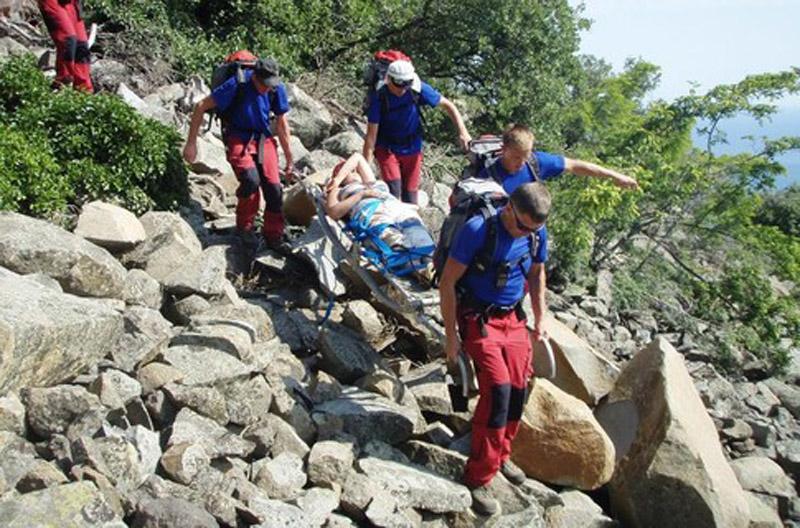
(513, 473)
(278, 245)
(482, 501)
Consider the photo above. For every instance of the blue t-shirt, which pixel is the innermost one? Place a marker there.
(550, 166)
(471, 239)
(251, 114)
(399, 128)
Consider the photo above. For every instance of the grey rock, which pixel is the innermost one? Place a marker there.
(108, 74)
(309, 120)
(39, 476)
(383, 382)
(344, 143)
(278, 514)
(211, 157)
(114, 457)
(189, 427)
(298, 150)
(147, 444)
(318, 504)
(367, 417)
(427, 383)
(762, 475)
(763, 511)
(357, 493)
(318, 161)
(383, 512)
(155, 375)
(274, 436)
(234, 340)
(170, 240)
(142, 289)
(28, 245)
(244, 315)
(45, 280)
(282, 477)
(146, 333)
(247, 401)
(578, 510)
(364, 319)
(63, 409)
(12, 414)
(9, 47)
(324, 387)
(182, 461)
(345, 356)
(416, 487)
(339, 521)
(113, 384)
(47, 337)
(788, 456)
(764, 400)
(203, 275)
(444, 462)
(207, 401)
(148, 110)
(75, 504)
(330, 462)
(209, 195)
(439, 434)
(17, 456)
(205, 366)
(181, 311)
(789, 396)
(109, 226)
(172, 511)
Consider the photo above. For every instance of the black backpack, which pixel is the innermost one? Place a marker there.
(473, 196)
(234, 65)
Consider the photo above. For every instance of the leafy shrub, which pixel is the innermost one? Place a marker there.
(97, 146)
(30, 181)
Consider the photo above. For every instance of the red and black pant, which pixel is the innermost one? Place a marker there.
(65, 25)
(502, 358)
(401, 173)
(257, 167)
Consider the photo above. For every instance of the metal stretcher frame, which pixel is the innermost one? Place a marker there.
(403, 296)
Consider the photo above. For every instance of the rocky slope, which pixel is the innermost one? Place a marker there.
(151, 375)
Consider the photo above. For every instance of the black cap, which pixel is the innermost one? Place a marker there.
(267, 72)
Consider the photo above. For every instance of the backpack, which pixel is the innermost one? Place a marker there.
(483, 154)
(234, 65)
(477, 196)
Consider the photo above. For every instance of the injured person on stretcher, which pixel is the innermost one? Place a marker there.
(391, 233)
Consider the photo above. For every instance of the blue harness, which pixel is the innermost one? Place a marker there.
(399, 261)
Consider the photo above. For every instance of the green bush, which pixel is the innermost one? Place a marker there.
(97, 146)
(29, 177)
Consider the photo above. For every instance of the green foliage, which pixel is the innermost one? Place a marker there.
(782, 210)
(81, 147)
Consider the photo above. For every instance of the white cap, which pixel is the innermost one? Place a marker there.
(402, 70)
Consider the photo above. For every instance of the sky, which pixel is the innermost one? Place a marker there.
(706, 41)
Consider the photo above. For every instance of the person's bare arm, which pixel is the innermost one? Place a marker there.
(369, 141)
(453, 271)
(284, 137)
(537, 283)
(593, 170)
(455, 116)
(336, 208)
(190, 149)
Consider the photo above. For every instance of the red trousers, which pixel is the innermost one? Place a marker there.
(503, 366)
(400, 171)
(243, 157)
(66, 28)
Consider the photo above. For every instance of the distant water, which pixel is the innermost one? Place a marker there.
(786, 122)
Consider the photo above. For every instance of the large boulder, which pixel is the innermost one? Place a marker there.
(671, 470)
(561, 442)
(28, 245)
(318, 161)
(309, 119)
(344, 143)
(346, 356)
(47, 337)
(146, 109)
(580, 371)
(74, 505)
(170, 242)
(204, 274)
(366, 416)
(415, 487)
(109, 226)
(211, 157)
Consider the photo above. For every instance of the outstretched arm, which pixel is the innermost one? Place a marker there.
(284, 136)
(369, 141)
(455, 116)
(585, 168)
(190, 149)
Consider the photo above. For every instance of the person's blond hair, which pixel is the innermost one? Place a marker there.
(518, 137)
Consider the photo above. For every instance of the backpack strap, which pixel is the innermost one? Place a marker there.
(533, 166)
(383, 97)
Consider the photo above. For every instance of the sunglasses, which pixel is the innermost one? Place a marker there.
(401, 84)
(522, 227)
